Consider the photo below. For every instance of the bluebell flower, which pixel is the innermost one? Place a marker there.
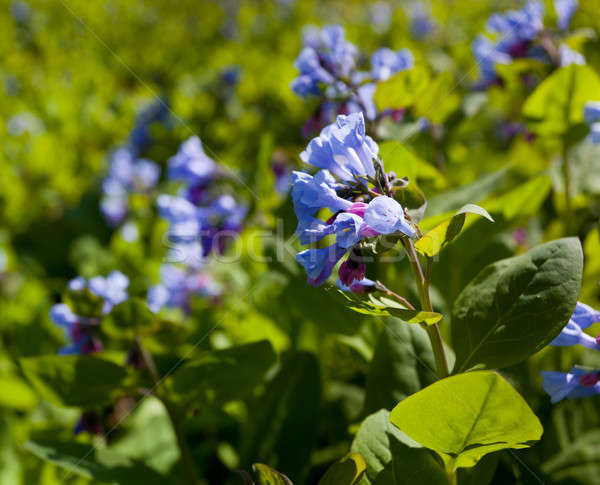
(178, 285)
(487, 55)
(363, 286)
(311, 193)
(126, 175)
(81, 330)
(568, 56)
(183, 217)
(421, 24)
(386, 216)
(576, 383)
(343, 148)
(591, 112)
(140, 139)
(386, 62)
(591, 115)
(191, 164)
(325, 57)
(319, 263)
(573, 334)
(565, 9)
(517, 26)
(113, 288)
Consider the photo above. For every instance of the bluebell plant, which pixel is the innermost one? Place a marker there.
(520, 34)
(578, 382)
(329, 70)
(87, 302)
(591, 115)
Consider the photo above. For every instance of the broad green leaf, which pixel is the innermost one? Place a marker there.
(347, 471)
(393, 458)
(444, 233)
(147, 436)
(464, 417)
(385, 307)
(402, 89)
(96, 464)
(222, 375)
(404, 163)
(516, 306)
(439, 100)
(268, 476)
(523, 201)
(465, 194)
(402, 364)
(74, 380)
(282, 428)
(557, 103)
(10, 462)
(16, 394)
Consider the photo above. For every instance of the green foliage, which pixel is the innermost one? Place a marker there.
(347, 471)
(221, 375)
(97, 464)
(75, 380)
(482, 414)
(557, 103)
(516, 306)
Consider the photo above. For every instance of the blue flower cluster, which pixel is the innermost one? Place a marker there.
(128, 173)
(516, 35)
(328, 68)
(201, 221)
(591, 115)
(178, 285)
(577, 382)
(347, 186)
(94, 298)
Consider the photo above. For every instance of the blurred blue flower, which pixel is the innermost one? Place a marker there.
(565, 9)
(574, 384)
(591, 115)
(178, 285)
(191, 164)
(487, 55)
(421, 24)
(568, 56)
(82, 330)
(325, 57)
(386, 62)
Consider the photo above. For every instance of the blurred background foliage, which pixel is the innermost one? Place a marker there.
(75, 75)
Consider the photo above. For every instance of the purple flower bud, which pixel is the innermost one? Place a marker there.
(353, 269)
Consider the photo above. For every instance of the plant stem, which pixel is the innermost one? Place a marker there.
(186, 455)
(567, 181)
(433, 331)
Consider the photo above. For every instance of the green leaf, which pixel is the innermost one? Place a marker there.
(464, 417)
(523, 201)
(286, 413)
(74, 380)
(557, 103)
(391, 457)
(444, 233)
(404, 163)
(268, 476)
(147, 436)
(385, 307)
(439, 100)
(465, 194)
(402, 89)
(97, 464)
(222, 375)
(402, 364)
(346, 471)
(579, 462)
(516, 306)
(16, 394)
